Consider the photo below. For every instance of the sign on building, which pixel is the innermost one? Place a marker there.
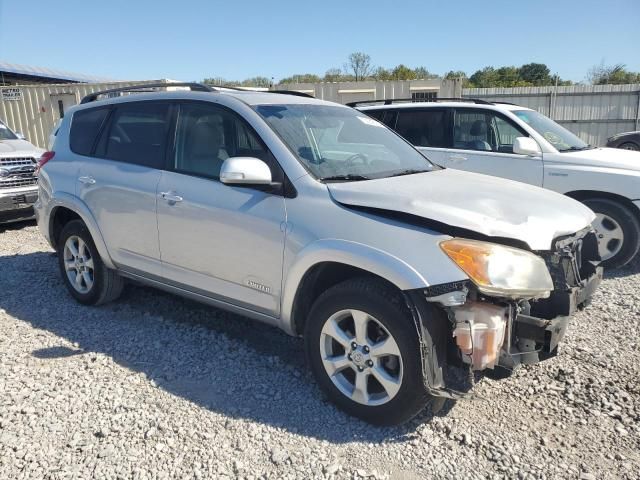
(11, 94)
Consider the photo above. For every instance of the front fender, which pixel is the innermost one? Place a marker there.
(73, 203)
(358, 255)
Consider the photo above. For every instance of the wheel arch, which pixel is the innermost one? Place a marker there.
(582, 195)
(66, 208)
(328, 262)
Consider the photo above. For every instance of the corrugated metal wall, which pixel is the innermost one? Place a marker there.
(593, 112)
(37, 111)
(344, 92)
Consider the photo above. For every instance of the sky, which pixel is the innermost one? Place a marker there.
(195, 39)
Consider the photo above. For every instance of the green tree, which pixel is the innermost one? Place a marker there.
(402, 72)
(453, 74)
(257, 82)
(333, 75)
(423, 73)
(487, 77)
(612, 75)
(536, 74)
(301, 78)
(382, 73)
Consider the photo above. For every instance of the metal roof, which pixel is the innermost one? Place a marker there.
(50, 73)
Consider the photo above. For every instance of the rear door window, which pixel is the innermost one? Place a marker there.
(137, 133)
(85, 126)
(388, 117)
(424, 128)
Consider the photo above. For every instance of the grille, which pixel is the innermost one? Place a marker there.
(18, 182)
(12, 162)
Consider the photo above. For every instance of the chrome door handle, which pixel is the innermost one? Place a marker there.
(457, 158)
(171, 197)
(87, 180)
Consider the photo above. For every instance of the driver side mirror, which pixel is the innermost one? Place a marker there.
(245, 171)
(526, 146)
(20, 136)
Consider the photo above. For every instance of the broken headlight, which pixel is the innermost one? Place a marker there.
(499, 270)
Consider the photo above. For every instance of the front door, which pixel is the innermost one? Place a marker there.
(220, 241)
(483, 143)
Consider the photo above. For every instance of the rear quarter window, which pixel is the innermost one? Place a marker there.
(85, 126)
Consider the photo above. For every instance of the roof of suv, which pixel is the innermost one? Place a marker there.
(250, 97)
(490, 105)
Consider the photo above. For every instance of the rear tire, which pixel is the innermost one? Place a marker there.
(384, 320)
(618, 231)
(84, 274)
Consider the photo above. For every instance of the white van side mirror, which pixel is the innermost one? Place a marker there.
(245, 171)
(20, 136)
(526, 146)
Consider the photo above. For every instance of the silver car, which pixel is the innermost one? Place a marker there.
(402, 277)
(18, 181)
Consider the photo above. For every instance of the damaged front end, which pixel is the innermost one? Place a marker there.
(484, 330)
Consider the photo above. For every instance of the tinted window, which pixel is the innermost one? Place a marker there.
(485, 131)
(137, 133)
(388, 117)
(207, 135)
(424, 128)
(85, 127)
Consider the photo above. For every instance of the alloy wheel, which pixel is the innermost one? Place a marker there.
(610, 236)
(361, 357)
(78, 264)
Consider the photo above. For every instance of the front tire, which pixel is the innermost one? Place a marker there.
(363, 348)
(629, 146)
(618, 231)
(84, 274)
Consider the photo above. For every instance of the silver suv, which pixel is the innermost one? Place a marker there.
(18, 181)
(401, 276)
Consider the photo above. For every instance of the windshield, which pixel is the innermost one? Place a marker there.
(337, 143)
(5, 133)
(558, 136)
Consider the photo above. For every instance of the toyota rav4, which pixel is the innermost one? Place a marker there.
(401, 276)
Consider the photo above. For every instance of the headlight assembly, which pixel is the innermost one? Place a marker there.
(499, 270)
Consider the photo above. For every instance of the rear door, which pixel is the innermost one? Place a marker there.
(119, 182)
(429, 129)
(483, 143)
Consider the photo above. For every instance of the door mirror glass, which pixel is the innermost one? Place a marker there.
(20, 136)
(245, 171)
(526, 146)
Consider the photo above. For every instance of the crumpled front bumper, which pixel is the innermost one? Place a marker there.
(535, 338)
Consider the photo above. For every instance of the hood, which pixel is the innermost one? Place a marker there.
(17, 148)
(487, 205)
(601, 157)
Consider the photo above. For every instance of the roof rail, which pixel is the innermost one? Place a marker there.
(291, 92)
(421, 100)
(198, 87)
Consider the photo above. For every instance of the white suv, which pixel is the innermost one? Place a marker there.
(521, 144)
(317, 219)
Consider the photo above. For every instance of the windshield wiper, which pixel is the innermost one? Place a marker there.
(350, 177)
(577, 149)
(409, 171)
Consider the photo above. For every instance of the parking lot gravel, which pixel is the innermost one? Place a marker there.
(154, 386)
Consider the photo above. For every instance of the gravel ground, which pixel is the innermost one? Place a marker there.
(154, 386)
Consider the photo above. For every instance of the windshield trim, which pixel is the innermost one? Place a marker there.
(430, 164)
